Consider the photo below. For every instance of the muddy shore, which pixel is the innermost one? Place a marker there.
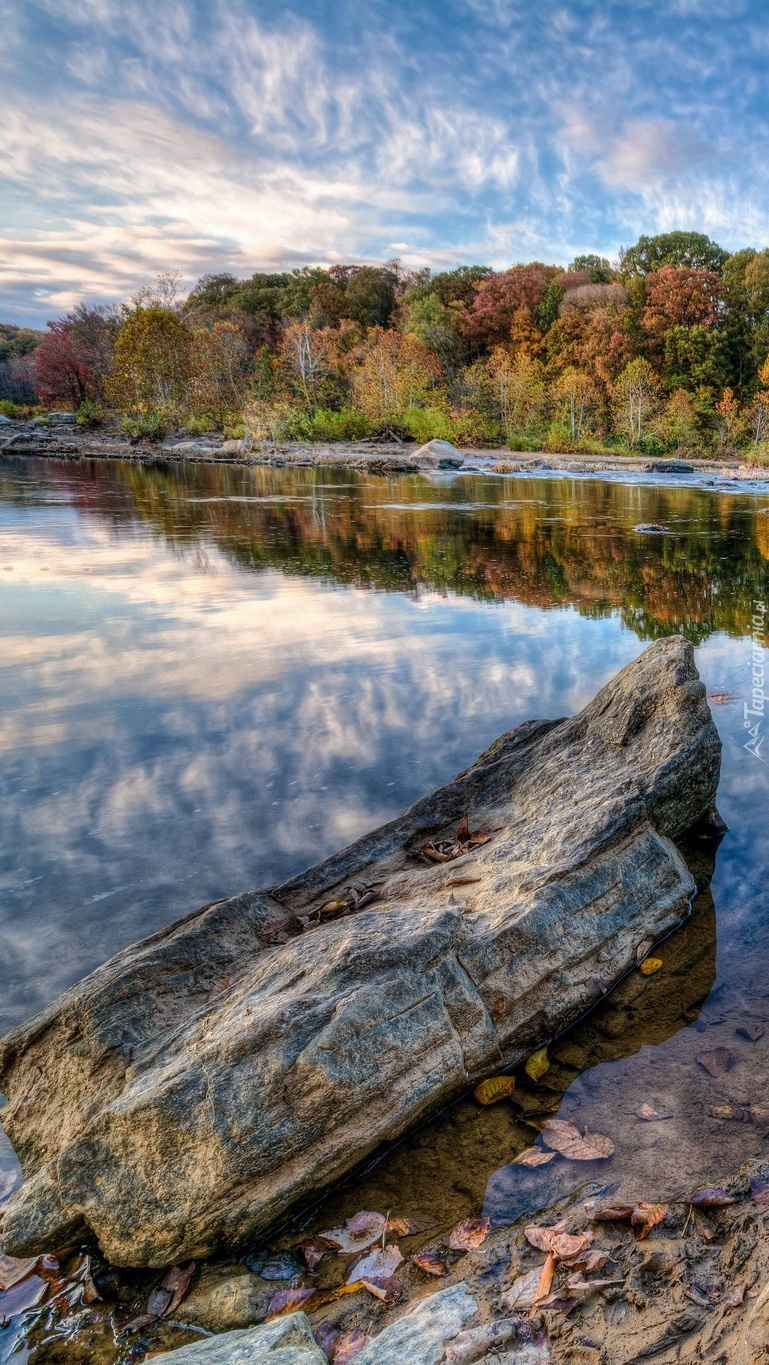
(66, 442)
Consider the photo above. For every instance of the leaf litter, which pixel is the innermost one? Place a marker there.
(564, 1137)
(446, 850)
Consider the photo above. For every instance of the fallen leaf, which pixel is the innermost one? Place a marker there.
(729, 1111)
(759, 1190)
(541, 1237)
(537, 1064)
(735, 1297)
(591, 1261)
(342, 1291)
(546, 1278)
(751, 1031)
(359, 1232)
(177, 1282)
(379, 1264)
(556, 1303)
(326, 1336)
(704, 1225)
(286, 1300)
(495, 1088)
(708, 1199)
(403, 1227)
(349, 1346)
(616, 1213)
(645, 1217)
(469, 1234)
(565, 1246)
(331, 909)
(576, 1284)
(429, 1263)
(649, 1114)
(523, 1291)
(313, 1253)
(389, 1290)
(13, 1270)
(564, 1137)
(445, 850)
(650, 965)
(90, 1292)
(715, 1061)
(533, 1156)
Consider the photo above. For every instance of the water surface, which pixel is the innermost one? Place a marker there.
(213, 677)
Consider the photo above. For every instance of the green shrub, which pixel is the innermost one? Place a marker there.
(89, 414)
(428, 424)
(476, 429)
(9, 409)
(149, 427)
(199, 424)
(529, 443)
(328, 424)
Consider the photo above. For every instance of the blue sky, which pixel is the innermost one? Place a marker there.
(142, 135)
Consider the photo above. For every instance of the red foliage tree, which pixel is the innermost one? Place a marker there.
(74, 356)
(504, 309)
(681, 296)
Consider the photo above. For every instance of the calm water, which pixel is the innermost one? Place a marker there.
(213, 677)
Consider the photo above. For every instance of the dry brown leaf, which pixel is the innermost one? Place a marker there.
(546, 1278)
(469, 1234)
(389, 1290)
(576, 1284)
(13, 1270)
(359, 1232)
(429, 1263)
(735, 1297)
(591, 1261)
(715, 1060)
(645, 1217)
(564, 1137)
(697, 1297)
(495, 1088)
(707, 1198)
(523, 1291)
(313, 1252)
(349, 1346)
(533, 1156)
(735, 1112)
(650, 1114)
(379, 1264)
(403, 1227)
(177, 1282)
(342, 1291)
(286, 1300)
(615, 1213)
(541, 1237)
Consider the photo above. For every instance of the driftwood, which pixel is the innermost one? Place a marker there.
(183, 1096)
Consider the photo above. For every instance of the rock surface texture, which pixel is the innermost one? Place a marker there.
(184, 1095)
(287, 1341)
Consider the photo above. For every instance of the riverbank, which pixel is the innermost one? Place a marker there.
(67, 442)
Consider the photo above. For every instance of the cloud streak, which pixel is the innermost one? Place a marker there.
(139, 137)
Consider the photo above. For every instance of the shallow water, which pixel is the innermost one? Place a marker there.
(212, 678)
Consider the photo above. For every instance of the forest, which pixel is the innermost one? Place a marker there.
(665, 350)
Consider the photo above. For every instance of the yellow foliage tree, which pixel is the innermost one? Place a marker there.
(151, 364)
(519, 387)
(220, 363)
(396, 373)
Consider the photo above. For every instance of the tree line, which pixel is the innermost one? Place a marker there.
(664, 350)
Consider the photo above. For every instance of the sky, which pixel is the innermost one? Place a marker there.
(205, 135)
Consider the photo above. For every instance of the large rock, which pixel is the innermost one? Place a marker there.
(437, 454)
(287, 1341)
(184, 1095)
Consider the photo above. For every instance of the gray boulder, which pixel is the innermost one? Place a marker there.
(187, 1093)
(421, 1335)
(286, 1341)
(437, 455)
(670, 467)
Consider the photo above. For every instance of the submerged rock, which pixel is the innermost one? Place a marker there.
(186, 1094)
(287, 1341)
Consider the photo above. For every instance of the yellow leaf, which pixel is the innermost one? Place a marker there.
(495, 1088)
(537, 1064)
(650, 965)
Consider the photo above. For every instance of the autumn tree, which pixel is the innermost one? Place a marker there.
(519, 388)
(72, 360)
(152, 364)
(728, 410)
(681, 296)
(637, 398)
(504, 309)
(396, 372)
(577, 399)
(221, 362)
